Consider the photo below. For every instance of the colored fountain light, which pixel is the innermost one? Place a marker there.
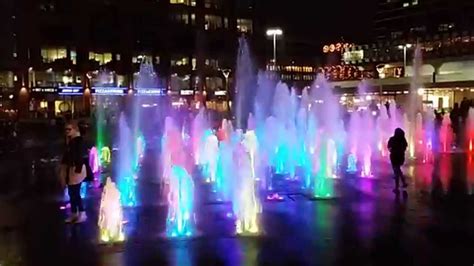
(445, 134)
(470, 129)
(111, 214)
(209, 156)
(105, 156)
(94, 161)
(251, 145)
(124, 169)
(180, 219)
(140, 150)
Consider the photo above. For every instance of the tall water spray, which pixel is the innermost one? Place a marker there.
(124, 168)
(245, 83)
(245, 203)
(470, 130)
(414, 103)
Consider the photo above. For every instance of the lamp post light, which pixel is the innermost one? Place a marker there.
(226, 74)
(404, 48)
(274, 32)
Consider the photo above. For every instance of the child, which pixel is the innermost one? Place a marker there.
(397, 146)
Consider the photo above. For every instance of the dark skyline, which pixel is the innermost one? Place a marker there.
(323, 22)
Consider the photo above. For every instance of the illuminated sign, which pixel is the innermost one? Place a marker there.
(336, 47)
(220, 93)
(109, 90)
(186, 92)
(390, 71)
(345, 72)
(70, 90)
(44, 89)
(151, 91)
(353, 56)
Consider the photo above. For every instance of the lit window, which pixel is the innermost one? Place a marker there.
(396, 34)
(117, 57)
(213, 63)
(193, 19)
(157, 60)
(184, 2)
(211, 4)
(244, 25)
(445, 26)
(406, 4)
(194, 63)
(226, 23)
(212, 22)
(180, 61)
(102, 58)
(182, 18)
(414, 3)
(52, 54)
(73, 55)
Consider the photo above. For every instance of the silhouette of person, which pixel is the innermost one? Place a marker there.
(397, 146)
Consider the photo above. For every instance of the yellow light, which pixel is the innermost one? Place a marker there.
(421, 91)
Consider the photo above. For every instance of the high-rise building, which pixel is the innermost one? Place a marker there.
(412, 19)
(51, 43)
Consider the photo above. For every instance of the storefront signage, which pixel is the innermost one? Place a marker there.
(390, 71)
(220, 93)
(109, 90)
(186, 92)
(44, 89)
(151, 91)
(70, 90)
(345, 72)
(353, 56)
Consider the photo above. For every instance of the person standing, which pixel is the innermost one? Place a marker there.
(73, 171)
(397, 145)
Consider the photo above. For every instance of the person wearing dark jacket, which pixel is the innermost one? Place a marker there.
(397, 145)
(73, 171)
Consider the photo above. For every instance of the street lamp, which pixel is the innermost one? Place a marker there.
(274, 32)
(404, 48)
(226, 74)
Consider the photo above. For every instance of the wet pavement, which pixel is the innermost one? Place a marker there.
(366, 224)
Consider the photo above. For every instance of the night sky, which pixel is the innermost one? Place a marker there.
(333, 19)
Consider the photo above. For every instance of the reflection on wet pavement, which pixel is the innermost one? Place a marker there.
(367, 224)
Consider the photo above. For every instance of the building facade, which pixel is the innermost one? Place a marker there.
(53, 44)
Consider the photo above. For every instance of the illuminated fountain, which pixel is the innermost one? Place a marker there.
(383, 131)
(94, 160)
(470, 130)
(245, 202)
(225, 165)
(180, 220)
(251, 145)
(429, 131)
(323, 184)
(105, 156)
(419, 137)
(124, 169)
(366, 144)
(209, 156)
(110, 214)
(445, 134)
(139, 150)
(199, 128)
